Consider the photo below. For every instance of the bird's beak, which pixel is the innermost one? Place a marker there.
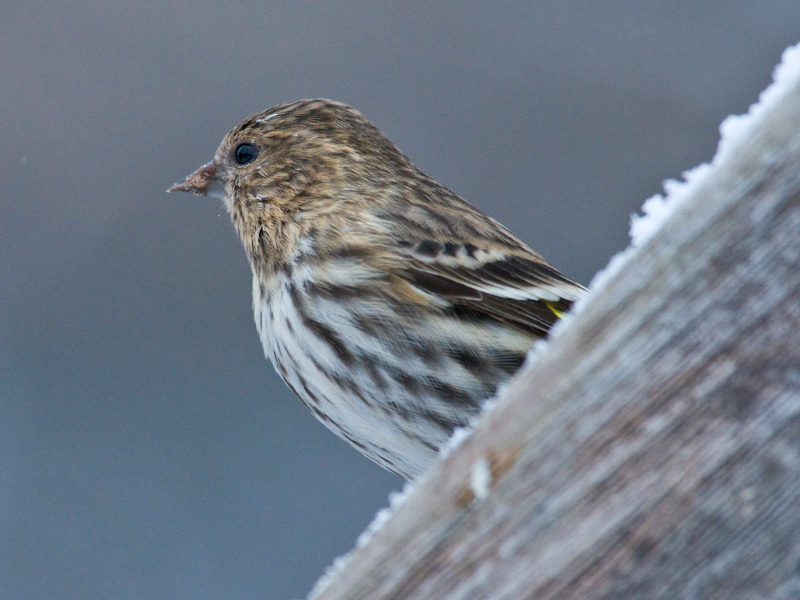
(205, 181)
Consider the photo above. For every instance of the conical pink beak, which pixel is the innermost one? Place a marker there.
(200, 181)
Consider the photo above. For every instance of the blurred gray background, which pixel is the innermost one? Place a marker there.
(147, 449)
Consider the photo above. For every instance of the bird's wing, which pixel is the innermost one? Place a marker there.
(520, 290)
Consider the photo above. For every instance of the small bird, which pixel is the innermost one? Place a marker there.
(389, 305)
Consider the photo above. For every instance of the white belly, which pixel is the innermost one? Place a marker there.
(325, 384)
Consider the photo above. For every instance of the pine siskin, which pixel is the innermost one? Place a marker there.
(388, 304)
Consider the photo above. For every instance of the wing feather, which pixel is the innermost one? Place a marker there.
(521, 291)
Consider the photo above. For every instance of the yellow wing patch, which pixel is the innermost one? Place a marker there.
(556, 312)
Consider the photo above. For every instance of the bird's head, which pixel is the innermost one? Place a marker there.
(275, 157)
(295, 163)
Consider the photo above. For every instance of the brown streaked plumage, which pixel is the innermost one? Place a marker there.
(388, 304)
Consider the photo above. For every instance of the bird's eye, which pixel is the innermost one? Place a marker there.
(245, 153)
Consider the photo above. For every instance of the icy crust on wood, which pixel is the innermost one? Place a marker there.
(396, 500)
(659, 208)
(653, 449)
